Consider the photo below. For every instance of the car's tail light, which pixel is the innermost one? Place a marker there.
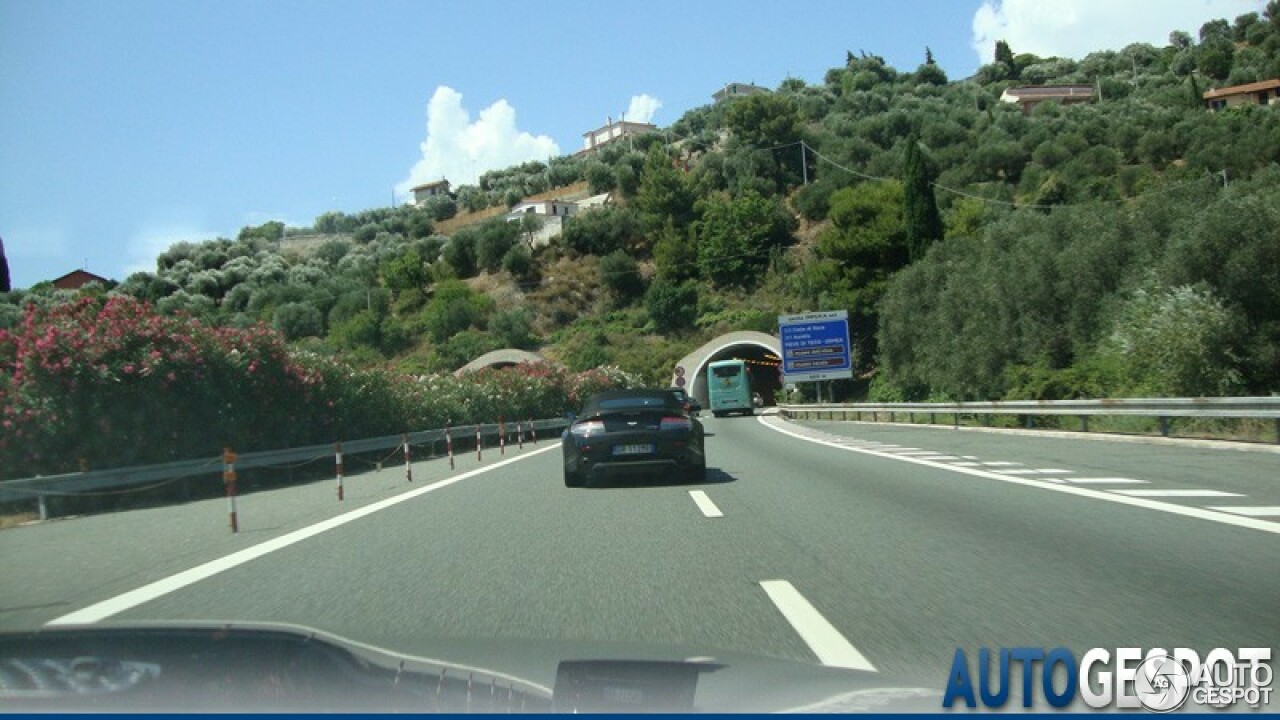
(587, 429)
(672, 422)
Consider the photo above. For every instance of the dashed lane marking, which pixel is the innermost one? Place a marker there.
(820, 635)
(1251, 511)
(704, 504)
(1106, 481)
(1176, 493)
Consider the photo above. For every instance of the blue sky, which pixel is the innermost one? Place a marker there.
(126, 126)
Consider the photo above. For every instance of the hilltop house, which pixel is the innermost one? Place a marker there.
(423, 192)
(544, 208)
(1266, 92)
(1029, 96)
(552, 213)
(77, 279)
(613, 132)
(733, 90)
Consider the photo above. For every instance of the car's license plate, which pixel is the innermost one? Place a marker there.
(643, 449)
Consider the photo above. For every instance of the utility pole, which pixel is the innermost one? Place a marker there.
(804, 163)
(1224, 178)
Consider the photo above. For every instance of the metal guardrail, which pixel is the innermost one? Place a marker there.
(121, 479)
(1160, 408)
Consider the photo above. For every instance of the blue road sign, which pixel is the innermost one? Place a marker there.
(815, 346)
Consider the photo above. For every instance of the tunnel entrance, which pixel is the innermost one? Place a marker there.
(762, 366)
(760, 351)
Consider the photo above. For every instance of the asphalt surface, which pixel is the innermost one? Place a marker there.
(908, 542)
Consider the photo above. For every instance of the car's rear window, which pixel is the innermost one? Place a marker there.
(632, 401)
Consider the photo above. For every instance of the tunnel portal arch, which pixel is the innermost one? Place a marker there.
(762, 352)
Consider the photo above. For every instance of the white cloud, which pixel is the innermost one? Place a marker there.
(460, 150)
(1075, 28)
(147, 244)
(642, 108)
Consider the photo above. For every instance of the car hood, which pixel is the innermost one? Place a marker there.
(238, 666)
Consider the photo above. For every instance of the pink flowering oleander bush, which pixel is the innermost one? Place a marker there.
(109, 382)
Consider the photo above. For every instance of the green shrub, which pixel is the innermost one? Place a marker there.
(105, 383)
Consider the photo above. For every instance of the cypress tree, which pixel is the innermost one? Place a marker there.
(4, 270)
(919, 207)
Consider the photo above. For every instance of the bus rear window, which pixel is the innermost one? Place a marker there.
(726, 371)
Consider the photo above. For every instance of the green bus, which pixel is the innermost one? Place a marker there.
(729, 388)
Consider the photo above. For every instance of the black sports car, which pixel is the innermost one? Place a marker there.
(633, 431)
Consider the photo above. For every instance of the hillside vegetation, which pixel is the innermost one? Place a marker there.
(1127, 246)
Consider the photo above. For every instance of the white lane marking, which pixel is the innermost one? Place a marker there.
(1176, 493)
(966, 464)
(704, 504)
(1039, 471)
(1251, 511)
(1107, 495)
(821, 636)
(969, 457)
(151, 591)
(1106, 480)
(1001, 463)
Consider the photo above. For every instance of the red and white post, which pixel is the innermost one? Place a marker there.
(520, 434)
(408, 463)
(479, 444)
(533, 431)
(229, 479)
(337, 461)
(502, 437)
(448, 445)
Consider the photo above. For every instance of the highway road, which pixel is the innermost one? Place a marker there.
(875, 547)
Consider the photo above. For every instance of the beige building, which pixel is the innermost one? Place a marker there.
(613, 132)
(1266, 92)
(429, 190)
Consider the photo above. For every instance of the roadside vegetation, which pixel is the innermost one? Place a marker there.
(108, 382)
